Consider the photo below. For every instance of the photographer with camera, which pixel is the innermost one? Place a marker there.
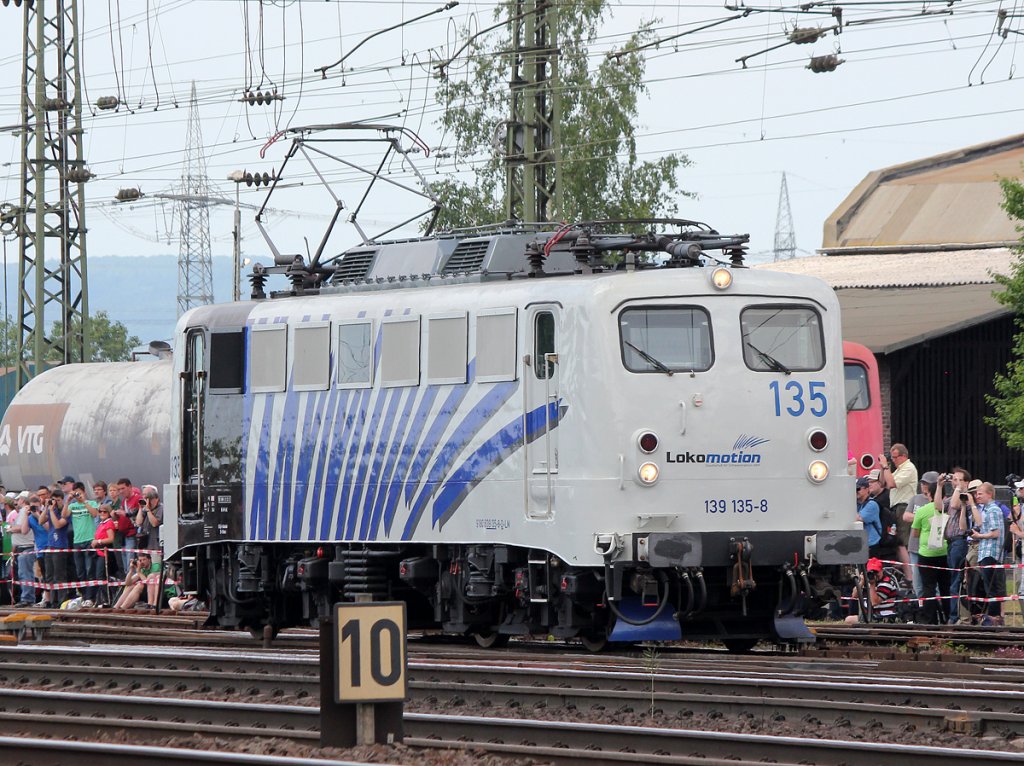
(23, 545)
(55, 565)
(988, 534)
(143, 578)
(902, 482)
(957, 526)
(882, 589)
(84, 520)
(927, 534)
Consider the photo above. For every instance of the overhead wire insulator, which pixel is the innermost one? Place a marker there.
(80, 175)
(260, 98)
(17, 3)
(827, 63)
(128, 195)
(259, 179)
(108, 102)
(55, 104)
(804, 35)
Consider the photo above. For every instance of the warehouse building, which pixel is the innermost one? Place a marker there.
(912, 253)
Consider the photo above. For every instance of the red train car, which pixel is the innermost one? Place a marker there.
(863, 406)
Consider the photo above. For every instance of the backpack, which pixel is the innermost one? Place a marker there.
(887, 519)
(1008, 538)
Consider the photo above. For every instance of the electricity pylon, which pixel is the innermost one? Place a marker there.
(50, 218)
(785, 237)
(195, 262)
(532, 167)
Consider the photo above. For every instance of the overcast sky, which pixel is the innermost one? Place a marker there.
(912, 85)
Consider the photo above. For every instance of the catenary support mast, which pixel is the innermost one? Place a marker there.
(532, 189)
(195, 261)
(51, 214)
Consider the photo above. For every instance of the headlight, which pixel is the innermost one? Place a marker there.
(721, 278)
(648, 473)
(817, 471)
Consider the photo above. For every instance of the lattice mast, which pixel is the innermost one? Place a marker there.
(532, 169)
(50, 217)
(195, 262)
(785, 236)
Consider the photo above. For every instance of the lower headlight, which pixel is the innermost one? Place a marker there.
(817, 471)
(648, 473)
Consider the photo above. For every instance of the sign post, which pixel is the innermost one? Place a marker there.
(363, 680)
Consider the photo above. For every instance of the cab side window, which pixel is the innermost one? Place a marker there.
(543, 344)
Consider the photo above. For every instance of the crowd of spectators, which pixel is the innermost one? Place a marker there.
(941, 544)
(67, 546)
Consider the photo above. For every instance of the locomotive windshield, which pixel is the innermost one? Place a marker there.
(782, 339)
(661, 339)
(858, 396)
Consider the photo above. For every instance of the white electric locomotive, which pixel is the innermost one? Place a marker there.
(610, 433)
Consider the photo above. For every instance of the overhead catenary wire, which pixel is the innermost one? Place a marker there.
(368, 85)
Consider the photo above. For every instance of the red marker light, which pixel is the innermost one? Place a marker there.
(818, 440)
(648, 442)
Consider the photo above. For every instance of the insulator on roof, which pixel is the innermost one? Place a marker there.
(827, 63)
(108, 102)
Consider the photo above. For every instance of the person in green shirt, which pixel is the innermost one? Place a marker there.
(933, 562)
(88, 566)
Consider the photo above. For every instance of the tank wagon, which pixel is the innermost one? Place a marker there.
(604, 432)
(93, 421)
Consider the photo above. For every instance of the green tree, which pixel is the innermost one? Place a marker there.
(109, 338)
(9, 342)
(602, 176)
(1008, 401)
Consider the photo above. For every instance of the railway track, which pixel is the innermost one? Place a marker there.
(969, 636)
(186, 629)
(976, 699)
(42, 712)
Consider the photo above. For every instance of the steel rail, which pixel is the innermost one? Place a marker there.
(31, 750)
(100, 714)
(989, 687)
(971, 715)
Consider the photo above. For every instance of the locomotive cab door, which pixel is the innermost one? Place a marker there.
(540, 403)
(193, 401)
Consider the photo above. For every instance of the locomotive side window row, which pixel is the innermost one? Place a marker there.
(355, 354)
(400, 352)
(304, 350)
(678, 339)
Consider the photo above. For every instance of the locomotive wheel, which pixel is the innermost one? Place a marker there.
(594, 642)
(491, 639)
(739, 645)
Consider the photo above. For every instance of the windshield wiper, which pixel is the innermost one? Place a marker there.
(650, 359)
(773, 364)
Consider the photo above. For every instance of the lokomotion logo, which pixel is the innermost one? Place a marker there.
(743, 453)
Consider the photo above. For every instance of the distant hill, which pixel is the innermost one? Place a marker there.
(140, 291)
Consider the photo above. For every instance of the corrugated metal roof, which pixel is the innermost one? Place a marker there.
(904, 269)
(893, 300)
(952, 197)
